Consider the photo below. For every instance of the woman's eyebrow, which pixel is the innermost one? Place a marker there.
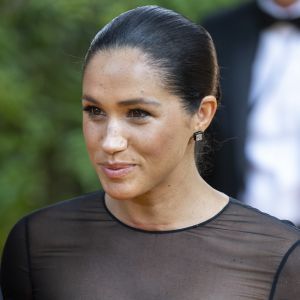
(125, 102)
(138, 101)
(90, 99)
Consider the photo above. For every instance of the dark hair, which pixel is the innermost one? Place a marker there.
(180, 50)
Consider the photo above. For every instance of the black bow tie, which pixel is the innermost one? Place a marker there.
(267, 20)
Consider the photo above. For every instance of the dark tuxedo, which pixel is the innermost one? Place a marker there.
(235, 33)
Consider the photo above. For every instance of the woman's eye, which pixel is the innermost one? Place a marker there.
(94, 111)
(138, 113)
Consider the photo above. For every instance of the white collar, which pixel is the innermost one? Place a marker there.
(277, 11)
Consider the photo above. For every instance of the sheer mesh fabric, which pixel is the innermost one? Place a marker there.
(78, 250)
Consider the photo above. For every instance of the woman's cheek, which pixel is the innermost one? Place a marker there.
(157, 145)
(92, 137)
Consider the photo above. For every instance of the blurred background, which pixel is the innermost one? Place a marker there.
(42, 44)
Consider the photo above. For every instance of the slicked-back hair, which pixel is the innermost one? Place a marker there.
(180, 50)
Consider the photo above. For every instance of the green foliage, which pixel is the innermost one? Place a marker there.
(42, 45)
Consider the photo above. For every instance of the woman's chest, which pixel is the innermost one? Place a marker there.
(156, 267)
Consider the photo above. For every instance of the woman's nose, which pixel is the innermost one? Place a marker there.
(114, 141)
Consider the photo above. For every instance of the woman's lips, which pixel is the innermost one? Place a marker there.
(116, 170)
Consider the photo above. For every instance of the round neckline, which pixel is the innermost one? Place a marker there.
(164, 231)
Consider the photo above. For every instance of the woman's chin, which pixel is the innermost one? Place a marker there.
(119, 192)
(118, 196)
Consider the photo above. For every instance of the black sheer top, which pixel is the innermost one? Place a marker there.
(77, 250)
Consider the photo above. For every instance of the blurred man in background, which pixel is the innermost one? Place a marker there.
(258, 45)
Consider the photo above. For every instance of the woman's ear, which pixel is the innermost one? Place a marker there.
(205, 113)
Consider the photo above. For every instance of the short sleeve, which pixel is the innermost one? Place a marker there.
(15, 270)
(288, 281)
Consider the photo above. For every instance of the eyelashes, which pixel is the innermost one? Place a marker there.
(136, 114)
(93, 111)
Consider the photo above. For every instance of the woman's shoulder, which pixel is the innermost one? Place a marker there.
(258, 238)
(88, 206)
(253, 221)
(81, 203)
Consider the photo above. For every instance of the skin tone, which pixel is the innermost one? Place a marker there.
(284, 3)
(139, 140)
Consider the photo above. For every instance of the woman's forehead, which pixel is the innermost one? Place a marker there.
(116, 59)
(117, 69)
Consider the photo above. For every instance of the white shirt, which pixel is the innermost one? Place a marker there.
(273, 139)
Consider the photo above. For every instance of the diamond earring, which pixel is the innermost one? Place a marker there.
(198, 136)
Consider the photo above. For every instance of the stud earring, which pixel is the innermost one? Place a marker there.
(198, 136)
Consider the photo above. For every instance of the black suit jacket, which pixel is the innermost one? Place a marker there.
(235, 33)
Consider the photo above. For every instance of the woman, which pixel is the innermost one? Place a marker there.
(158, 231)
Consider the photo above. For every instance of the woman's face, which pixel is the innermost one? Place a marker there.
(137, 134)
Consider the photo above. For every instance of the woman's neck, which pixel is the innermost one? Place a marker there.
(191, 201)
